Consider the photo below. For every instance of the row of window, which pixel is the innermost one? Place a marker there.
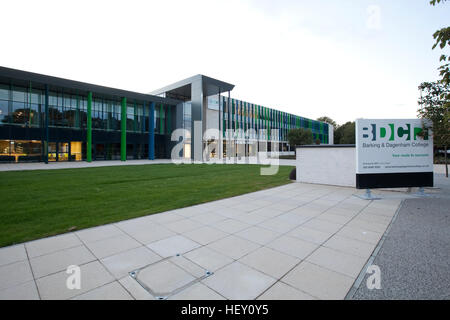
(244, 116)
(26, 107)
(33, 151)
(249, 113)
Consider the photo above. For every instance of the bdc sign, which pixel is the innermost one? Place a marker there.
(393, 153)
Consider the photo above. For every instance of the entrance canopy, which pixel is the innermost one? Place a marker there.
(181, 90)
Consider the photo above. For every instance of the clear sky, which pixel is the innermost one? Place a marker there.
(340, 58)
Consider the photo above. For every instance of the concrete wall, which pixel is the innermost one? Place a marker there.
(327, 165)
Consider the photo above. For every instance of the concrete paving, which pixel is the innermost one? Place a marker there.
(298, 241)
(93, 164)
(74, 164)
(414, 259)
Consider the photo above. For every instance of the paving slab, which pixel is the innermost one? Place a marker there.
(258, 235)
(208, 258)
(231, 226)
(282, 291)
(319, 282)
(12, 254)
(205, 235)
(110, 246)
(233, 247)
(53, 287)
(24, 291)
(357, 248)
(60, 260)
(173, 245)
(14, 274)
(310, 235)
(338, 261)
(121, 264)
(237, 281)
(362, 234)
(293, 246)
(145, 232)
(110, 291)
(269, 261)
(48, 245)
(183, 226)
(99, 233)
(278, 225)
(208, 218)
(197, 291)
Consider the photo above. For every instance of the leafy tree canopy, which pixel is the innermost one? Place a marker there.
(345, 134)
(434, 105)
(442, 38)
(328, 120)
(300, 136)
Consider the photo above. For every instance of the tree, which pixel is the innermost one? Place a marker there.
(328, 120)
(300, 136)
(442, 38)
(434, 105)
(345, 134)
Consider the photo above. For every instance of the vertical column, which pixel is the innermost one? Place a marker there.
(161, 119)
(89, 128)
(197, 120)
(151, 132)
(169, 121)
(135, 117)
(77, 114)
(30, 115)
(142, 120)
(123, 125)
(220, 139)
(46, 125)
(229, 126)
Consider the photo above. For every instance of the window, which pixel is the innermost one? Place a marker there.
(4, 118)
(19, 114)
(4, 92)
(130, 118)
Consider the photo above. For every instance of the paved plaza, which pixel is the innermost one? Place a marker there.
(298, 241)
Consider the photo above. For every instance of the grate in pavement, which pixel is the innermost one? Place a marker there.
(169, 276)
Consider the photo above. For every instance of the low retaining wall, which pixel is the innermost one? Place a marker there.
(327, 164)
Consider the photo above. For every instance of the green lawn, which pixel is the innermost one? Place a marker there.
(35, 204)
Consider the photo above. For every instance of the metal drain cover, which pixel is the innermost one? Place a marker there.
(169, 276)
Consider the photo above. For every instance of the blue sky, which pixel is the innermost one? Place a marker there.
(344, 59)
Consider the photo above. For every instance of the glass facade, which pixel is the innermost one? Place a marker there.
(69, 121)
(23, 125)
(248, 119)
(25, 106)
(20, 150)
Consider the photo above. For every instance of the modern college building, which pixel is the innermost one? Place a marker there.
(44, 118)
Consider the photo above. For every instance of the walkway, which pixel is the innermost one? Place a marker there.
(298, 241)
(84, 164)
